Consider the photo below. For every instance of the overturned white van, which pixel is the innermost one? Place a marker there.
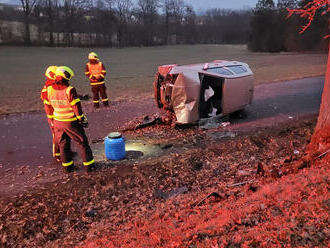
(203, 90)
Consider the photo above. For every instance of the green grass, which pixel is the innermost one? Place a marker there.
(131, 70)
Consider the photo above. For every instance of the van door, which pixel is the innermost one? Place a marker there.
(236, 93)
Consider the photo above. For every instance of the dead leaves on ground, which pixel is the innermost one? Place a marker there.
(116, 199)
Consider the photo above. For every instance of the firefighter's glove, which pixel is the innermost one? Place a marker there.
(50, 122)
(84, 122)
(94, 78)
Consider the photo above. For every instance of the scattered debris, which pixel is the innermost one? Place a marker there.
(215, 195)
(324, 153)
(147, 121)
(116, 198)
(243, 173)
(212, 122)
(225, 124)
(158, 193)
(90, 213)
(222, 135)
(239, 184)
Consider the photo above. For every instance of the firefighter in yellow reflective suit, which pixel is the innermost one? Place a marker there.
(96, 72)
(68, 119)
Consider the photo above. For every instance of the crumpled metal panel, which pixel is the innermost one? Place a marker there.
(185, 97)
(165, 69)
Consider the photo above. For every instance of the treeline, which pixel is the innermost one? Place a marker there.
(121, 23)
(125, 23)
(273, 31)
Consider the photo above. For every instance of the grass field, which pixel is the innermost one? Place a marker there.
(131, 70)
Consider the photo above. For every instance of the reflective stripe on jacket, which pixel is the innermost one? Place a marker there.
(95, 69)
(59, 100)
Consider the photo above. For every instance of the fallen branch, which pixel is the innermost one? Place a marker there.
(214, 194)
(322, 154)
(239, 184)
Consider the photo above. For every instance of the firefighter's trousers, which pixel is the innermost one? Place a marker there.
(56, 148)
(64, 131)
(100, 91)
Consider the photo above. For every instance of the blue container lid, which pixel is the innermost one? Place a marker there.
(114, 135)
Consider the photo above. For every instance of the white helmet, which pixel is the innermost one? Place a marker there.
(93, 55)
(64, 72)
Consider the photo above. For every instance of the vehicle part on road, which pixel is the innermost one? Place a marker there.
(203, 90)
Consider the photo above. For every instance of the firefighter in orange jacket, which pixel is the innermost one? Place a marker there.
(96, 72)
(50, 80)
(68, 119)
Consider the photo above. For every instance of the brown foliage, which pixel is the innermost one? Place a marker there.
(119, 206)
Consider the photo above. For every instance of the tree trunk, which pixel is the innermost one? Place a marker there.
(27, 38)
(320, 141)
(167, 28)
(51, 29)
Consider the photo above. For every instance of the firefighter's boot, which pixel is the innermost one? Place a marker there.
(96, 105)
(68, 169)
(57, 159)
(90, 168)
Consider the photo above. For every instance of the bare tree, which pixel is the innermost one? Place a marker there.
(108, 20)
(173, 11)
(189, 30)
(123, 10)
(27, 6)
(74, 12)
(148, 12)
(49, 9)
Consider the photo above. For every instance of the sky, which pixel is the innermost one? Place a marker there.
(200, 5)
(223, 4)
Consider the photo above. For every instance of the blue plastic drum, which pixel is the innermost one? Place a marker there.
(114, 145)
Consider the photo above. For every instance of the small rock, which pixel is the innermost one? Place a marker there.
(90, 213)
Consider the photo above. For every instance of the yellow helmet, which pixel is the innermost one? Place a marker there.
(51, 71)
(93, 55)
(64, 72)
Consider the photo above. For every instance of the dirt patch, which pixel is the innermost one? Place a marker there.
(115, 201)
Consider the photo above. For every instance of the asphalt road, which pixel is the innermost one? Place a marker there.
(26, 140)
